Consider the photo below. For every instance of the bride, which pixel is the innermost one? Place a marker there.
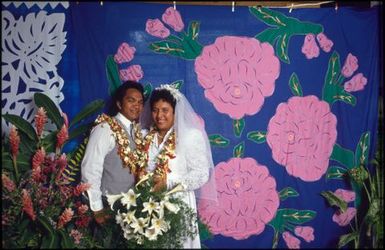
(179, 150)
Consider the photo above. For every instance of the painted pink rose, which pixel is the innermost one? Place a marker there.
(306, 233)
(291, 241)
(310, 47)
(345, 195)
(344, 218)
(156, 28)
(325, 43)
(350, 66)
(247, 199)
(301, 135)
(357, 83)
(237, 73)
(125, 53)
(173, 18)
(133, 73)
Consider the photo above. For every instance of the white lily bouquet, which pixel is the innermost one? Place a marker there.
(151, 219)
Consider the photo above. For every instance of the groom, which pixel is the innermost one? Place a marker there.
(102, 165)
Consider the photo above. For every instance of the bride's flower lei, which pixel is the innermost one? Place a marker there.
(167, 153)
(130, 159)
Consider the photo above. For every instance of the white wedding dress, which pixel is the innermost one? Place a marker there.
(189, 167)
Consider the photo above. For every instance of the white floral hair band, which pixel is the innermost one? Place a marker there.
(172, 89)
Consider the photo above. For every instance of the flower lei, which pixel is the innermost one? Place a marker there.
(129, 159)
(167, 153)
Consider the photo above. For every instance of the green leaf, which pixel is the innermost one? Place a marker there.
(49, 141)
(270, 17)
(343, 156)
(218, 140)
(295, 86)
(80, 130)
(282, 46)
(335, 172)
(66, 241)
(362, 149)
(177, 84)
(50, 240)
(239, 150)
(346, 238)
(268, 35)
(112, 72)
(22, 125)
(334, 200)
(238, 126)
(53, 113)
(167, 47)
(147, 91)
(285, 217)
(287, 192)
(88, 110)
(257, 136)
(193, 30)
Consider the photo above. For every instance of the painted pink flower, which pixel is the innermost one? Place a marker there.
(291, 241)
(357, 83)
(350, 66)
(247, 199)
(40, 120)
(124, 54)
(173, 18)
(156, 28)
(80, 188)
(38, 158)
(133, 73)
(325, 43)
(301, 135)
(306, 233)
(14, 141)
(344, 218)
(65, 217)
(310, 47)
(237, 73)
(345, 195)
(28, 205)
(7, 183)
(62, 136)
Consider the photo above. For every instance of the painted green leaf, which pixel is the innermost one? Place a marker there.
(343, 156)
(334, 200)
(268, 35)
(287, 193)
(344, 97)
(239, 150)
(167, 47)
(177, 84)
(270, 17)
(282, 46)
(147, 90)
(285, 217)
(257, 136)
(193, 30)
(22, 125)
(112, 72)
(346, 238)
(238, 126)
(90, 109)
(362, 149)
(53, 113)
(335, 172)
(295, 86)
(218, 140)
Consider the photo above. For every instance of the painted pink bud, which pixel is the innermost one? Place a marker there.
(325, 43)
(173, 18)
(306, 233)
(344, 218)
(310, 47)
(357, 83)
(291, 241)
(156, 28)
(125, 53)
(350, 65)
(133, 73)
(345, 195)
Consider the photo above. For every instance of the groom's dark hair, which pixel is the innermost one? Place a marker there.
(162, 94)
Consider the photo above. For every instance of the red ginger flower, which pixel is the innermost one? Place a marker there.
(38, 158)
(7, 183)
(62, 136)
(14, 141)
(27, 205)
(65, 217)
(79, 189)
(40, 120)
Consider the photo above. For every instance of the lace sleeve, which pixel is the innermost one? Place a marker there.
(196, 162)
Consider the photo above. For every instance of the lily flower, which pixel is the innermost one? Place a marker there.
(150, 206)
(129, 198)
(139, 225)
(112, 198)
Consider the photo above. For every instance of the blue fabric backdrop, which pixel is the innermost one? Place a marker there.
(96, 31)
